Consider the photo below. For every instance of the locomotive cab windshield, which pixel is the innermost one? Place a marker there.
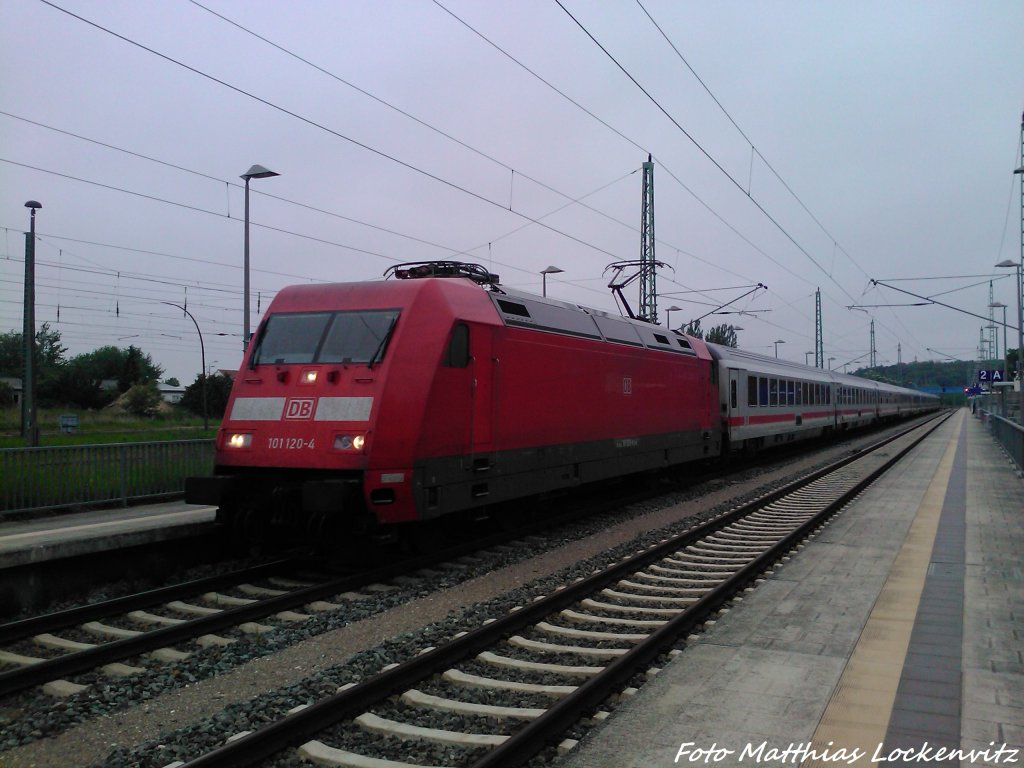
(324, 337)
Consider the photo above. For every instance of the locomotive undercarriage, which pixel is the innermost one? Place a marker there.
(258, 507)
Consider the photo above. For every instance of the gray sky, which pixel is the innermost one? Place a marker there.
(896, 125)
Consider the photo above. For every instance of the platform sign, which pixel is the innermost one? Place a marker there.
(991, 375)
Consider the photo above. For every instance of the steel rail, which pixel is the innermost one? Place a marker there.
(80, 661)
(544, 730)
(300, 726)
(24, 628)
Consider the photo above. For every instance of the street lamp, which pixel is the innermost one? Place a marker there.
(256, 172)
(202, 354)
(1020, 318)
(777, 342)
(29, 428)
(830, 363)
(544, 278)
(668, 315)
(806, 357)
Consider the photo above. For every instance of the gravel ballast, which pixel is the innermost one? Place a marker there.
(174, 712)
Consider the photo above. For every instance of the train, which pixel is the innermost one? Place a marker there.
(369, 407)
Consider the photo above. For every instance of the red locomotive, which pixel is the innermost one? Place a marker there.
(438, 392)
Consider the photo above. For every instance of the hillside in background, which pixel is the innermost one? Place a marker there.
(928, 375)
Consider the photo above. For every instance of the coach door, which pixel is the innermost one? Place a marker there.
(734, 396)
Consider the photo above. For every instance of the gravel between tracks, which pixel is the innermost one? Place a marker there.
(215, 705)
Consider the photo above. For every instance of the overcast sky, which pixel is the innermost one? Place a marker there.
(884, 139)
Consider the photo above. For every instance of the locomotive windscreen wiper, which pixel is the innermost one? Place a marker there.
(379, 352)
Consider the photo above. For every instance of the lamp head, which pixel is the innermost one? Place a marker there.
(258, 172)
(33, 205)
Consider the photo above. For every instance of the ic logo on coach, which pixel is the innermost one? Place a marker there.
(299, 408)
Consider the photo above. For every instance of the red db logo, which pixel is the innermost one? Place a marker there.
(299, 408)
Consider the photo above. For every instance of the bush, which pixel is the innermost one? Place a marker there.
(142, 400)
(218, 388)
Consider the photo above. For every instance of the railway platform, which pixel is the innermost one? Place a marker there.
(38, 540)
(894, 637)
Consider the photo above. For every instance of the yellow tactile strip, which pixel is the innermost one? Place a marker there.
(858, 713)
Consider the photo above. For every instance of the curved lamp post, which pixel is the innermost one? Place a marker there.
(202, 352)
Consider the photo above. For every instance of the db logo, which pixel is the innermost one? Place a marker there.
(299, 408)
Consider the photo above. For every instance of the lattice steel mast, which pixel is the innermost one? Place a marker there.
(819, 344)
(648, 270)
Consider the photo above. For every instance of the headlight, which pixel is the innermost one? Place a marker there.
(308, 377)
(239, 440)
(349, 442)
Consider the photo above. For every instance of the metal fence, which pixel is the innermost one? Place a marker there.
(1010, 435)
(84, 475)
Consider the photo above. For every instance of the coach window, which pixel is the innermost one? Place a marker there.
(732, 393)
(456, 355)
(799, 393)
(828, 394)
(751, 391)
(791, 392)
(762, 391)
(773, 391)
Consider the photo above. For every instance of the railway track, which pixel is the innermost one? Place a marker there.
(500, 693)
(165, 625)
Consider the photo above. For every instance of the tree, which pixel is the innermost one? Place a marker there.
(72, 386)
(218, 388)
(172, 382)
(6, 395)
(49, 352)
(137, 368)
(142, 400)
(693, 329)
(724, 335)
(126, 366)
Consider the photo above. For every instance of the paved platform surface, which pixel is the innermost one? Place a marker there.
(48, 538)
(896, 633)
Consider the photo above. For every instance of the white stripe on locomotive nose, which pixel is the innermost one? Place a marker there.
(343, 409)
(257, 409)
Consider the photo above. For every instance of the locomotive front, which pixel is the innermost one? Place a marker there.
(295, 441)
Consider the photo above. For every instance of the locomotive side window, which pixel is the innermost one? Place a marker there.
(751, 391)
(456, 355)
(513, 308)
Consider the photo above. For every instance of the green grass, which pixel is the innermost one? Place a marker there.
(104, 427)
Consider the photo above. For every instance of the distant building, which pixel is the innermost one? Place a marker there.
(15, 385)
(170, 394)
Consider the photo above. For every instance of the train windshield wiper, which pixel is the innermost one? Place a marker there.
(379, 352)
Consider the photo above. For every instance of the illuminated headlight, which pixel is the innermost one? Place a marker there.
(349, 442)
(308, 377)
(239, 440)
